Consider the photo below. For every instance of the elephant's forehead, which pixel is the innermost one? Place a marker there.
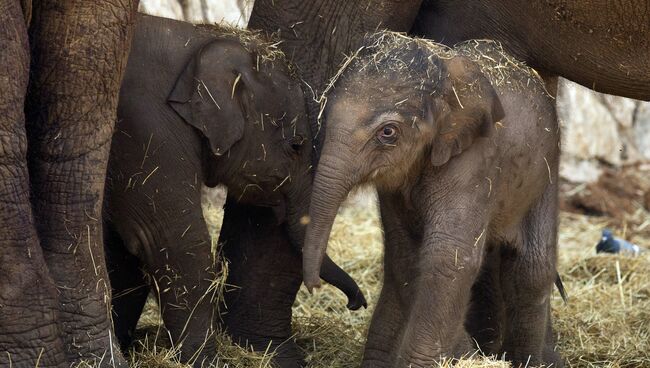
(349, 109)
(366, 105)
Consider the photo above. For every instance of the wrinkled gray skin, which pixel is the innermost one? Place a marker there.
(61, 64)
(603, 45)
(466, 170)
(200, 107)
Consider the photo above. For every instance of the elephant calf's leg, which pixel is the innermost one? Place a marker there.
(129, 287)
(79, 50)
(527, 275)
(550, 353)
(185, 283)
(266, 274)
(177, 256)
(486, 315)
(28, 326)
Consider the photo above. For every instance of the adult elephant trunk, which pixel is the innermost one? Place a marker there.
(331, 186)
(297, 221)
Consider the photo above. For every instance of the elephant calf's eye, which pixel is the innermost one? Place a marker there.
(387, 134)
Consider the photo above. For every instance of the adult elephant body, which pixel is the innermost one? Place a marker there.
(603, 45)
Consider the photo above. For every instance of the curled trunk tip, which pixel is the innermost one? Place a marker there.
(311, 276)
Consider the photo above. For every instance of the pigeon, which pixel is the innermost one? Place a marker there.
(611, 244)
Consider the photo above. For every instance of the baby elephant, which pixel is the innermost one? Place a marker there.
(462, 145)
(201, 105)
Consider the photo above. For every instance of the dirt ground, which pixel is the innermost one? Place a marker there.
(606, 322)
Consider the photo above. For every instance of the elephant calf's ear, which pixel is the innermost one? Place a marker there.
(205, 94)
(469, 107)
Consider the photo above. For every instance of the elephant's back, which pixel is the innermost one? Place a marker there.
(160, 50)
(502, 69)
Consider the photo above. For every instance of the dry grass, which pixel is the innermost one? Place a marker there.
(266, 47)
(605, 324)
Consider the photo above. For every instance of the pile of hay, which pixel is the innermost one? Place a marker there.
(605, 324)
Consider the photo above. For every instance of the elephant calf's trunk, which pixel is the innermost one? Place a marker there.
(298, 203)
(334, 275)
(327, 196)
(312, 258)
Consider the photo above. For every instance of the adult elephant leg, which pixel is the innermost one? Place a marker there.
(79, 50)
(28, 304)
(266, 274)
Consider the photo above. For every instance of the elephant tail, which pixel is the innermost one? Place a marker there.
(560, 287)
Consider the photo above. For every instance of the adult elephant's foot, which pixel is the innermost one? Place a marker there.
(28, 329)
(266, 274)
(89, 336)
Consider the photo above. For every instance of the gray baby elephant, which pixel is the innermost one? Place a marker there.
(202, 105)
(462, 145)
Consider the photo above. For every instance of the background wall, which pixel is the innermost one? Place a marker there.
(234, 12)
(600, 130)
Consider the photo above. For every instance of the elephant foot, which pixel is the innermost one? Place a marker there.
(88, 335)
(465, 346)
(267, 272)
(199, 354)
(206, 358)
(550, 355)
(552, 358)
(28, 320)
(286, 353)
(102, 353)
